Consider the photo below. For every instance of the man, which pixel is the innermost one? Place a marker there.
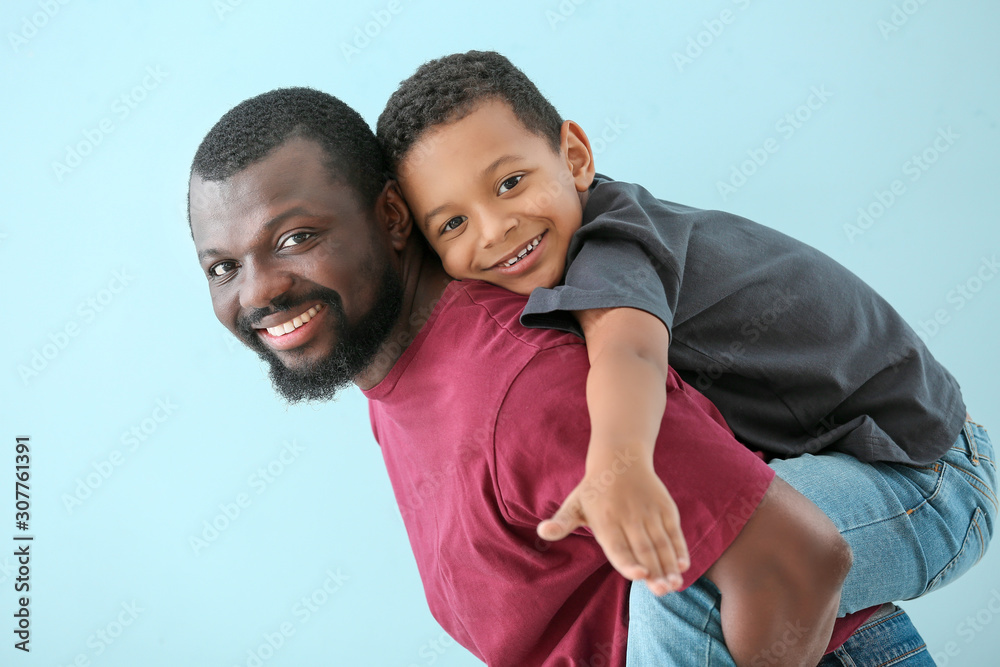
(310, 262)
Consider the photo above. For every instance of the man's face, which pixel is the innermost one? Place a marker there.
(296, 268)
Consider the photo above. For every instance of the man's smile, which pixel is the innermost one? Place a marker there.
(292, 332)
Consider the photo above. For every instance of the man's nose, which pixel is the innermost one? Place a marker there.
(262, 284)
(495, 227)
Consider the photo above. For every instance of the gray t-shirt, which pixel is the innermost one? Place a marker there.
(798, 353)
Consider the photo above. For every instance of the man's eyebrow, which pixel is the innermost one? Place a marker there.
(267, 226)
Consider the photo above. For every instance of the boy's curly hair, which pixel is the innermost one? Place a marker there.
(449, 88)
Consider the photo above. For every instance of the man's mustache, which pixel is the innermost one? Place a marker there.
(249, 321)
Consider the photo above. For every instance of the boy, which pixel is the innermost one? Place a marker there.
(758, 327)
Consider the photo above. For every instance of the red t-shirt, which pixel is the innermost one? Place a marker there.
(484, 428)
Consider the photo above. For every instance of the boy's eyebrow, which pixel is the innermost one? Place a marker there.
(426, 221)
(500, 161)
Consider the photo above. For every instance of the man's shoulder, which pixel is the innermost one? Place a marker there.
(485, 312)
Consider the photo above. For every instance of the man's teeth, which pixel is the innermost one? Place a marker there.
(295, 322)
(528, 248)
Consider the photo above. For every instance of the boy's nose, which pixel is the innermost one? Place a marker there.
(495, 228)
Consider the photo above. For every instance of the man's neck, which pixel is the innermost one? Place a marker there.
(424, 281)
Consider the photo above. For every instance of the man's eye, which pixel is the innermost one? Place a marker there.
(453, 224)
(509, 184)
(296, 239)
(221, 269)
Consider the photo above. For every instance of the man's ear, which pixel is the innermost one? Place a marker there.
(575, 146)
(394, 215)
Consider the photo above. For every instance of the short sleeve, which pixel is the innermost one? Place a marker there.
(542, 434)
(605, 273)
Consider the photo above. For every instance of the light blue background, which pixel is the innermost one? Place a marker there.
(676, 127)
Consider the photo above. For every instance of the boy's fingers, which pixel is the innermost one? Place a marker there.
(672, 525)
(616, 547)
(566, 519)
(664, 550)
(646, 552)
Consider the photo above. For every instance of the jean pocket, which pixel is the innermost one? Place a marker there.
(973, 549)
(926, 481)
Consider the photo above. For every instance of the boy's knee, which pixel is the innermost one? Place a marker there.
(806, 550)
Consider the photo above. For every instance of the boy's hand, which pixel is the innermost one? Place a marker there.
(633, 518)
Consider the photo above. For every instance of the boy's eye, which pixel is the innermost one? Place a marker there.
(453, 224)
(510, 183)
(296, 239)
(221, 268)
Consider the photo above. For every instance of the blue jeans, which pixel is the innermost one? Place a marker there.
(912, 529)
(887, 638)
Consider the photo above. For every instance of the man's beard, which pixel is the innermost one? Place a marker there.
(356, 347)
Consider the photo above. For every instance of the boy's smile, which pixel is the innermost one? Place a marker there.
(496, 201)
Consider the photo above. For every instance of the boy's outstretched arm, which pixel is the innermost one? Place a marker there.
(621, 499)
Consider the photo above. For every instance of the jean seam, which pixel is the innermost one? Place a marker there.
(969, 421)
(980, 485)
(965, 543)
(898, 658)
(971, 442)
(982, 544)
(895, 614)
(845, 657)
(938, 468)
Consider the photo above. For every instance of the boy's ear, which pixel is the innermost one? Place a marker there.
(575, 146)
(394, 215)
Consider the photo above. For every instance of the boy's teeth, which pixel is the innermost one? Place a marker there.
(528, 248)
(295, 322)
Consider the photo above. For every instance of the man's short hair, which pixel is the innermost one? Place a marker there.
(255, 127)
(449, 88)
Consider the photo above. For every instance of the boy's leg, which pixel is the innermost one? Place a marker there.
(685, 629)
(911, 530)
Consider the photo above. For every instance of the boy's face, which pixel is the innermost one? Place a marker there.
(486, 191)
